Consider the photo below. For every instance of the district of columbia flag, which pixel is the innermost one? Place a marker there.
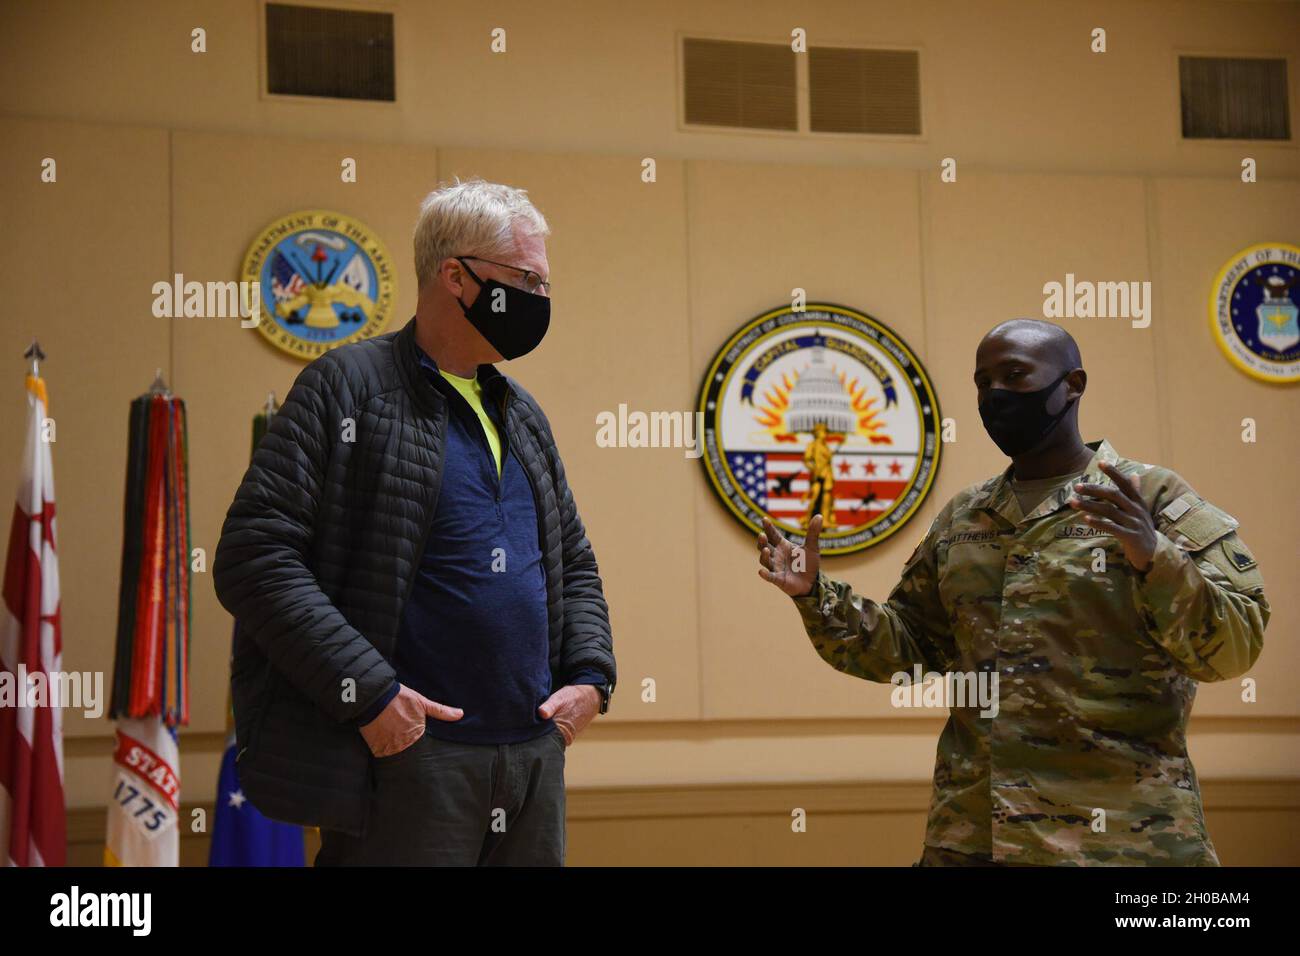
(33, 823)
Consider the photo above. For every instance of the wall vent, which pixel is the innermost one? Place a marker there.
(325, 51)
(864, 91)
(741, 84)
(1234, 98)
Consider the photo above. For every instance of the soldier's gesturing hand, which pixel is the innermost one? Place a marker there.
(791, 568)
(1121, 511)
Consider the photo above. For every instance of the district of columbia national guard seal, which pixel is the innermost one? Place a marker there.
(326, 279)
(1253, 311)
(824, 410)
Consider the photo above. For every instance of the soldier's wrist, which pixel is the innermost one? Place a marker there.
(812, 590)
(1165, 557)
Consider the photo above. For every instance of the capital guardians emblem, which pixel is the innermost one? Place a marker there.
(1253, 311)
(326, 279)
(824, 410)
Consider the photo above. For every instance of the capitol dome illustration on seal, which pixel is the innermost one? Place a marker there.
(821, 410)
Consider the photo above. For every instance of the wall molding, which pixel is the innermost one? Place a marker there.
(86, 825)
(94, 745)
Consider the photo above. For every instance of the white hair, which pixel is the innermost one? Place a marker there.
(472, 218)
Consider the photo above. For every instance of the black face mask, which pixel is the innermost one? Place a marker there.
(1017, 421)
(517, 325)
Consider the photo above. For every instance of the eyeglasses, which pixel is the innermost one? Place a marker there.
(532, 281)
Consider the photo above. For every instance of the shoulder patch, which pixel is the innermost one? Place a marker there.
(1241, 559)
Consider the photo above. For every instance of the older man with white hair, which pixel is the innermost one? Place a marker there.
(422, 628)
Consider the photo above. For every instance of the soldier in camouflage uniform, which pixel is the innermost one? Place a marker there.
(1099, 589)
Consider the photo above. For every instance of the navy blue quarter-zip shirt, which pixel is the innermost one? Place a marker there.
(474, 631)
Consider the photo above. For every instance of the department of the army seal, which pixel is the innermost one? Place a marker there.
(1253, 311)
(823, 410)
(326, 279)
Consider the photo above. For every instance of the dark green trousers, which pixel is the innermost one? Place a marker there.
(438, 803)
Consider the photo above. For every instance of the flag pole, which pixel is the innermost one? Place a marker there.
(159, 386)
(37, 355)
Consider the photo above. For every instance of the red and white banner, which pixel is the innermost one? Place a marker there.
(33, 823)
(144, 807)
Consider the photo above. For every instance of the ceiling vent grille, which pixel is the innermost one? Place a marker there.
(1234, 98)
(323, 51)
(741, 84)
(864, 91)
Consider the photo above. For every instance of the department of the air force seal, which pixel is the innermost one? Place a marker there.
(325, 279)
(1253, 311)
(820, 411)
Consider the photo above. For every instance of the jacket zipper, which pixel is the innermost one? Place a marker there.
(537, 504)
(441, 421)
(541, 545)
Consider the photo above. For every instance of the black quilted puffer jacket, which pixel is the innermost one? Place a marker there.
(319, 554)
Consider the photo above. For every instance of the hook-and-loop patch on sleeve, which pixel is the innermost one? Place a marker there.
(1197, 526)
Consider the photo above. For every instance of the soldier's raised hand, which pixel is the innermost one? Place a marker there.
(1120, 511)
(790, 567)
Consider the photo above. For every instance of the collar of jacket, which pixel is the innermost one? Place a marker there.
(428, 392)
(998, 496)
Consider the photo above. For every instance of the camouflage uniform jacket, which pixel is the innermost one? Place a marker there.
(1097, 666)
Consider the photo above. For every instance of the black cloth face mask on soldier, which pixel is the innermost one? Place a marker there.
(1017, 421)
(513, 321)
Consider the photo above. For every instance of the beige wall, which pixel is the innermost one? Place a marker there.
(169, 162)
(1007, 84)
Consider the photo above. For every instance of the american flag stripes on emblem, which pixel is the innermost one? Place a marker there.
(866, 484)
